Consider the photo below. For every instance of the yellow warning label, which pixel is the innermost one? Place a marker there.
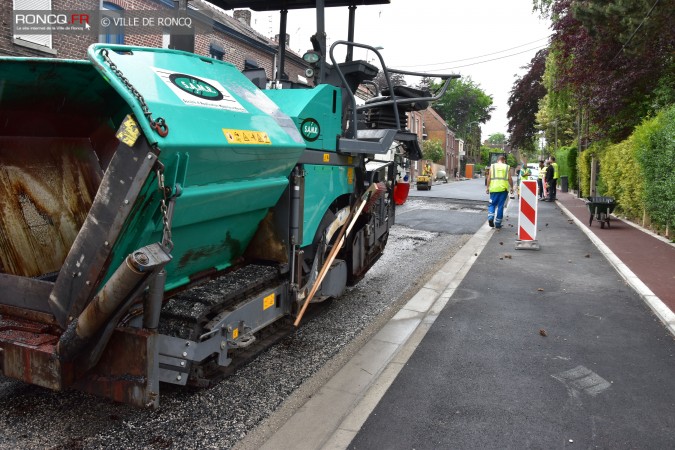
(246, 137)
(326, 157)
(235, 333)
(128, 132)
(268, 301)
(350, 175)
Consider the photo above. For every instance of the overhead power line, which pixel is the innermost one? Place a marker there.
(476, 57)
(490, 60)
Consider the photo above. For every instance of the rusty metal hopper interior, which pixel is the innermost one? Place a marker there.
(56, 139)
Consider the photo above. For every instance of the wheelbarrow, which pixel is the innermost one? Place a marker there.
(600, 208)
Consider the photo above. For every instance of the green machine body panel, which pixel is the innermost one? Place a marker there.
(323, 184)
(229, 149)
(316, 112)
(318, 115)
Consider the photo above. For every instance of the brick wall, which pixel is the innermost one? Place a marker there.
(236, 52)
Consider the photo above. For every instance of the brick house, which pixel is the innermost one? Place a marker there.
(428, 124)
(436, 129)
(217, 35)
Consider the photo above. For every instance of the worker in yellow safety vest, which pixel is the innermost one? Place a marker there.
(499, 183)
(555, 178)
(427, 170)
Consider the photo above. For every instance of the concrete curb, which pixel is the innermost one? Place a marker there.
(658, 307)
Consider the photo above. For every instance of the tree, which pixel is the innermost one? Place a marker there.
(433, 150)
(497, 139)
(425, 84)
(616, 58)
(526, 94)
(396, 80)
(485, 155)
(462, 104)
(463, 107)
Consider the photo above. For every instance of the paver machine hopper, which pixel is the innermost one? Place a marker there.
(161, 215)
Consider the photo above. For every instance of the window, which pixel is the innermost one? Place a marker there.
(250, 64)
(112, 34)
(216, 51)
(44, 40)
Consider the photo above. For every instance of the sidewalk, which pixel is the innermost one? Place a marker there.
(510, 349)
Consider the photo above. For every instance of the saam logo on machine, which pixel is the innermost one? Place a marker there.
(195, 86)
(310, 129)
(199, 91)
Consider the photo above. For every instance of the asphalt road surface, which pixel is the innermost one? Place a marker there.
(471, 190)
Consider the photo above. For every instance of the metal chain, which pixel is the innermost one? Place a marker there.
(164, 208)
(158, 125)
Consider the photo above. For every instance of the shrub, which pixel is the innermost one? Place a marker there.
(584, 166)
(572, 167)
(566, 157)
(433, 150)
(622, 177)
(655, 149)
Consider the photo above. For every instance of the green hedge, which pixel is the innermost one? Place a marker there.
(584, 166)
(655, 142)
(622, 177)
(639, 171)
(572, 164)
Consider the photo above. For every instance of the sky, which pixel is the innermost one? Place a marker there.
(433, 36)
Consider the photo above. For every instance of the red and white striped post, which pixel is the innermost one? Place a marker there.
(527, 216)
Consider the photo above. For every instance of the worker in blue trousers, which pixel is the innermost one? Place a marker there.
(499, 184)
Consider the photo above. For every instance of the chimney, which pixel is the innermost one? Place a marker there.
(243, 16)
(288, 39)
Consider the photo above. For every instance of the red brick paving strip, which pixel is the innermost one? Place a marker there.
(650, 259)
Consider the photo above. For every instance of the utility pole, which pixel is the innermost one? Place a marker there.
(469, 140)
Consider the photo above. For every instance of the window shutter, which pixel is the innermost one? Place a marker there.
(34, 5)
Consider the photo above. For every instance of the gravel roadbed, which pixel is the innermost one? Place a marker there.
(258, 397)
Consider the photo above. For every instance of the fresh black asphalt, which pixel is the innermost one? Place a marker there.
(536, 349)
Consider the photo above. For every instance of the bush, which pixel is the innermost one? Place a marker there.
(639, 171)
(566, 157)
(655, 151)
(622, 177)
(572, 167)
(584, 166)
(433, 150)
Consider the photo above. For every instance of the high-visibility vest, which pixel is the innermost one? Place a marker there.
(555, 170)
(525, 173)
(499, 181)
(542, 172)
